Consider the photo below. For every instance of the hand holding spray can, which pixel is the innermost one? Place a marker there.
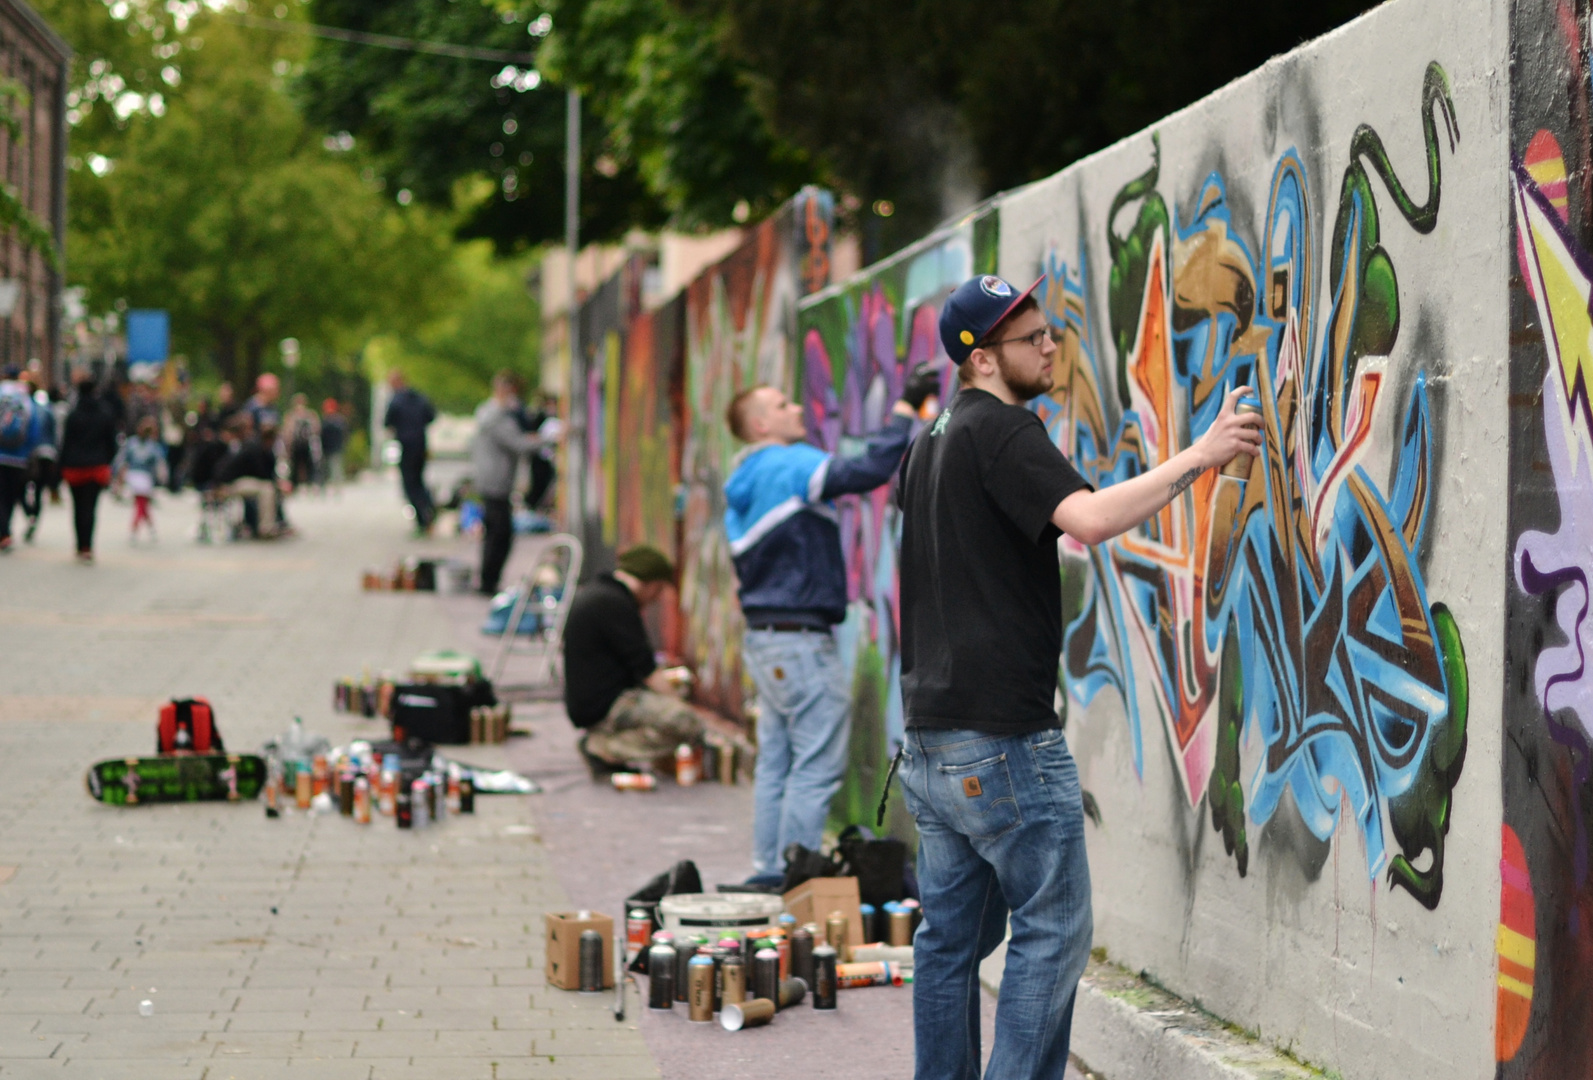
(1239, 467)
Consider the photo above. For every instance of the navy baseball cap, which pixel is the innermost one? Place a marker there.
(977, 305)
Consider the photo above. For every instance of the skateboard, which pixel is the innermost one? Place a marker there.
(177, 778)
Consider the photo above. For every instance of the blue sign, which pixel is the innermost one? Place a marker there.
(148, 336)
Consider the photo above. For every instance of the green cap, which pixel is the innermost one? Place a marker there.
(646, 563)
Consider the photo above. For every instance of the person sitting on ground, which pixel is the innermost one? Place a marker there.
(613, 688)
(250, 470)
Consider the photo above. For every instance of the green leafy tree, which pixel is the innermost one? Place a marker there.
(493, 325)
(231, 213)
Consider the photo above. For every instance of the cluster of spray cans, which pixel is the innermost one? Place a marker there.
(746, 977)
(362, 788)
(366, 696)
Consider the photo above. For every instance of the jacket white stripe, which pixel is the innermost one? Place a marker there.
(774, 518)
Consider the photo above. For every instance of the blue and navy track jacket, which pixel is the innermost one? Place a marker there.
(783, 528)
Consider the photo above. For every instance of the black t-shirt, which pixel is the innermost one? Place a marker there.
(981, 584)
(606, 650)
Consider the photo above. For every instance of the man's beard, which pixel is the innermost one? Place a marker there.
(1022, 388)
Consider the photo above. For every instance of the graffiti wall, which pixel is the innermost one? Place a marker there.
(1545, 934)
(740, 326)
(1280, 688)
(860, 340)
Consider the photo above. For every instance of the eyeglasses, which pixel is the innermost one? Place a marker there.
(1034, 340)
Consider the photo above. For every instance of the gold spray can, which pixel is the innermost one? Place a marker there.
(1239, 467)
(700, 990)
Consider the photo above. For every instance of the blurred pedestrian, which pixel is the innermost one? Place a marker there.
(302, 435)
(495, 456)
(408, 415)
(44, 467)
(334, 440)
(226, 404)
(19, 429)
(250, 471)
(544, 421)
(139, 468)
(88, 446)
(262, 407)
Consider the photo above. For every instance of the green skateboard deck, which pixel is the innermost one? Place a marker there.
(177, 778)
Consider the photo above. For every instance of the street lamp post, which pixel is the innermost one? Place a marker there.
(575, 448)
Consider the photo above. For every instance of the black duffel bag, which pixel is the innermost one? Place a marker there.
(439, 712)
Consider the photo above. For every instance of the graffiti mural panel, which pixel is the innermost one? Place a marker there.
(1545, 935)
(860, 340)
(1281, 688)
(740, 324)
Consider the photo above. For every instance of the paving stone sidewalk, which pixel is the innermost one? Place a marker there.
(304, 947)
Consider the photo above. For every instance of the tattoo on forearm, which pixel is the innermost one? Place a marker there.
(1177, 487)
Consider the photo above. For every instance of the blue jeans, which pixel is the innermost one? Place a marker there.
(1000, 830)
(804, 724)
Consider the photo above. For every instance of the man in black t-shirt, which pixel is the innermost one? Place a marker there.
(986, 771)
(613, 687)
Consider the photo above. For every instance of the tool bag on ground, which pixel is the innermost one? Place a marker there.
(187, 726)
(878, 863)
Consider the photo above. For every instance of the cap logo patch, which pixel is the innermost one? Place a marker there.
(966, 337)
(994, 286)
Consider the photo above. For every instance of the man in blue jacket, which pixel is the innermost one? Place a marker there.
(786, 543)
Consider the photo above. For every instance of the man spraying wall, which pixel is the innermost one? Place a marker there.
(792, 583)
(986, 771)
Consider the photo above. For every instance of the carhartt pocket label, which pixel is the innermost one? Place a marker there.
(779, 673)
(971, 788)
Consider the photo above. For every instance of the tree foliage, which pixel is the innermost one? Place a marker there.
(228, 211)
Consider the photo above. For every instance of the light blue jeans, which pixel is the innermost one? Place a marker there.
(804, 725)
(1000, 830)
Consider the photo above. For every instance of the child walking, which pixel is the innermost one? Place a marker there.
(139, 466)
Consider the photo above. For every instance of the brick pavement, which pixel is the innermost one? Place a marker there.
(304, 947)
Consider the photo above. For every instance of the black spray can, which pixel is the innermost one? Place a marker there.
(766, 975)
(467, 795)
(684, 951)
(591, 962)
(824, 977)
(403, 805)
(802, 954)
(661, 976)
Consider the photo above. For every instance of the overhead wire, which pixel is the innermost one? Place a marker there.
(380, 41)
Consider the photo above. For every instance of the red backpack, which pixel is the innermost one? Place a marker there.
(187, 726)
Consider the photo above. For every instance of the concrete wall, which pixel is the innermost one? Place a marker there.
(1284, 694)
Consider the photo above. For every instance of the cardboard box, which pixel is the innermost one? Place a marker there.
(814, 899)
(564, 946)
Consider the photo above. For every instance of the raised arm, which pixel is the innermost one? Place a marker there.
(878, 462)
(1093, 517)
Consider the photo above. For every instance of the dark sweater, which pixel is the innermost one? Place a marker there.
(88, 439)
(606, 650)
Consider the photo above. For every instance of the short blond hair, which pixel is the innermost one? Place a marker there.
(736, 415)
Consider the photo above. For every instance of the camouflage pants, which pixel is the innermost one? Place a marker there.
(641, 726)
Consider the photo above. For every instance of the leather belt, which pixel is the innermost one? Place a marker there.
(788, 628)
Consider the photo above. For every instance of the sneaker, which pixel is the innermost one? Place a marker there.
(33, 527)
(600, 768)
(85, 557)
(5, 543)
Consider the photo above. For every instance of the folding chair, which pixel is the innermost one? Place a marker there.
(562, 553)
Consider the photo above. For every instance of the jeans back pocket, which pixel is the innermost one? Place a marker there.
(978, 799)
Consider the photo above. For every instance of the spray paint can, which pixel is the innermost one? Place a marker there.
(1239, 467)
(871, 973)
(835, 935)
(638, 929)
(766, 974)
(403, 808)
(303, 787)
(684, 951)
(787, 923)
(419, 819)
(792, 991)
(345, 794)
(732, 981)
(802, 954)
(752, 1013)
(901, 924)
(439, 796)
(869, 918)
(824, 964)
(661, 976)
(362, 801)
(700, 990)
(591, 962)
(467, 795)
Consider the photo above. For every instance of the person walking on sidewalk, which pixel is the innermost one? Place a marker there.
(20, 432)
(140, 467)
(334, 438)
(408, 415)
(495, 456)
(786, 544)
(613, 687)
(985, 769)
(88, 446)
